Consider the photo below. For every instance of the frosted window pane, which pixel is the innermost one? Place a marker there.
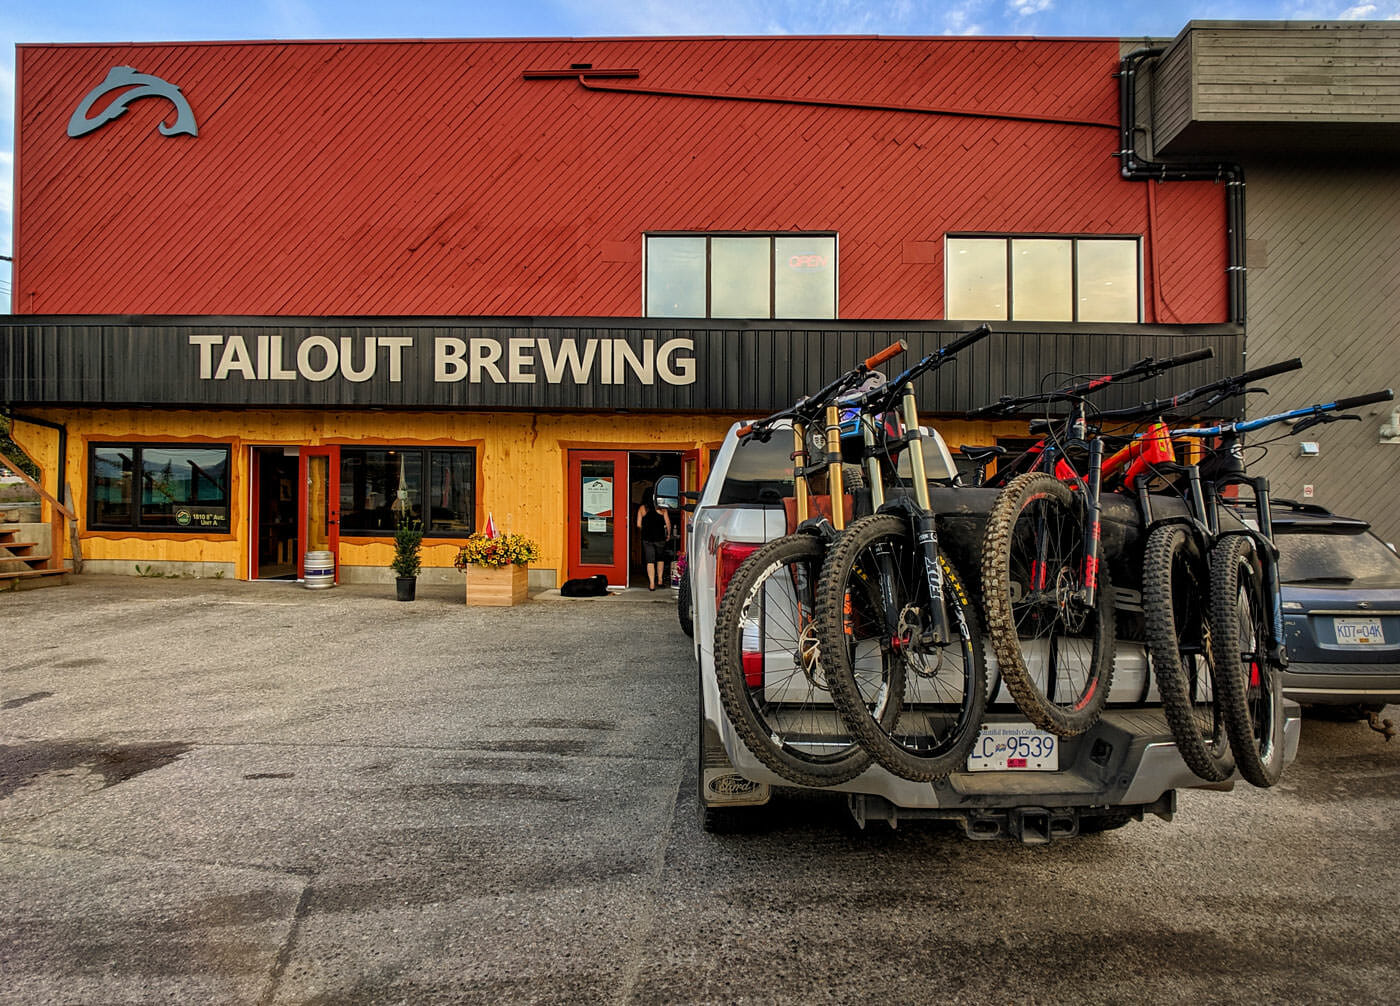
(1041, 271)
(976, 279)
(1108, 280)
(676, 277)
(804, 277)
(740, 285)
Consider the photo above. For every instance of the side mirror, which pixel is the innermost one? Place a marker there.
(667, 492)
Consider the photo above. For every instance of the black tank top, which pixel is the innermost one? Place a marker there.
(653, 526)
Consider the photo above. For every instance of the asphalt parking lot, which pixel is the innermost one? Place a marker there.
(227, 792)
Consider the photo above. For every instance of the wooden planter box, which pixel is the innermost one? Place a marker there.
(499, 585)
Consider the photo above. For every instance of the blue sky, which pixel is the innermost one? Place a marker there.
(90, 21)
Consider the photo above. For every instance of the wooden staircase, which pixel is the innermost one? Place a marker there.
(22, 564)
(22, 560)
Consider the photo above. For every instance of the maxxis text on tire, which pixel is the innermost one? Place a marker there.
(1070, 646)
(1250, 688)
(779, 705)
(1175, 592)
(915, 707)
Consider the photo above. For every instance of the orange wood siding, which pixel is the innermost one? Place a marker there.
(429, 178)
(521, 464)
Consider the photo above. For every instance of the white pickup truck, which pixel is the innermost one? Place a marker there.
(1124, 767)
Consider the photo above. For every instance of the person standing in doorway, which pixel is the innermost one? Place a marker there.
(655, 526)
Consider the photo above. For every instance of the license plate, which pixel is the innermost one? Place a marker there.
(1015, 747)
(1359, 631)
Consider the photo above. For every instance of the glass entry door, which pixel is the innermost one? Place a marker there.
(598, 517)
(319, 523)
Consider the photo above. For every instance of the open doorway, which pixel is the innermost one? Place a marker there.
(274, 514)
(644, 469)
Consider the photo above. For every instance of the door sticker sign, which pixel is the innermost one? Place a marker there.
(598, 498)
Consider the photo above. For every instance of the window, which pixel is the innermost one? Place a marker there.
(174, 488)
(1042, 279)
(741, 276)
(434, 485)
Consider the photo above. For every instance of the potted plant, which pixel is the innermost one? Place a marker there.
(408, 543)
(497, 567)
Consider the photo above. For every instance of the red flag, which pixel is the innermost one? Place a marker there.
(490, 530)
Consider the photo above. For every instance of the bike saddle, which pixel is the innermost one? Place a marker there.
(980, 455)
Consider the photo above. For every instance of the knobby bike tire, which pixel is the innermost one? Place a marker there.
(1175, 604)
(915, 707)
(1250, 686)
(1055, 655)
(782, 711)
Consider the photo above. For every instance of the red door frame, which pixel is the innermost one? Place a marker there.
(616, 571)
(254, 517)
(332, 456)
(690, 482)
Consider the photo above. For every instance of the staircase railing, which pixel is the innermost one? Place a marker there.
(57, 522)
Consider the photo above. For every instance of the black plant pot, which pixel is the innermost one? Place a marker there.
(407, 587)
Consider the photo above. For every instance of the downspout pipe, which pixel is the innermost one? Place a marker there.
(1137, 169)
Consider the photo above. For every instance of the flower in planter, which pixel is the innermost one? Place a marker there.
(502, 550)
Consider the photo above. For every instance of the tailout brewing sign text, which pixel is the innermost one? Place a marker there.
(497, 360)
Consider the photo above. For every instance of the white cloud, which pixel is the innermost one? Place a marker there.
(1028, 8)
(1312, 10)
(1371, 12)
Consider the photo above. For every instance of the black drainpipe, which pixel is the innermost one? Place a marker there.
(1136, 169)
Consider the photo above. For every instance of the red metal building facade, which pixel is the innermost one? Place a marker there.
(454, 178)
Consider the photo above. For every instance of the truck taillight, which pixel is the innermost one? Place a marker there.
(730, 557)
(752, 661)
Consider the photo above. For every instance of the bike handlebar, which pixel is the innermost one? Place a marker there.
(929, 363)
(1309, 416)
(962, 342)
(1143, 370)
(1360, 400)
(1227, 387)
(809, 406)
(888, 353)
(1272, 370)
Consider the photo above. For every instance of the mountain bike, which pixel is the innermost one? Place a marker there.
(1211, 595)
(1046, 595)
(769, 667)
(889, 596)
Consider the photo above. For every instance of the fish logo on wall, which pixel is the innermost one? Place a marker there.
(142, 85)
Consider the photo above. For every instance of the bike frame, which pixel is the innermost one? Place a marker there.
(918, 512)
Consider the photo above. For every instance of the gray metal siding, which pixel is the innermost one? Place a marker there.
(751, 368)
(1324, 284)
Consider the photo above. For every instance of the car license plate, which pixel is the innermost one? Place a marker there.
(1359, 631)
(1016, 747)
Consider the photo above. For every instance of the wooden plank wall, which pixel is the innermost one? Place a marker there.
(521, 466)
(1297, 73)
